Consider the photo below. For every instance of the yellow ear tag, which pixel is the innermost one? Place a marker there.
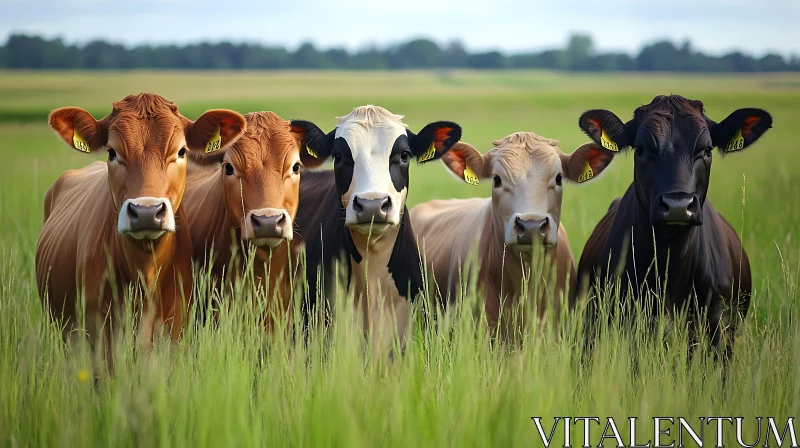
(470, 177)
(311, 152)
(607, 142)
(428, 155)
(215, 142)
(586, 174)
(736, 143)
(79, 143)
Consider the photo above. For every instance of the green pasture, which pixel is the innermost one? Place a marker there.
(230, 386)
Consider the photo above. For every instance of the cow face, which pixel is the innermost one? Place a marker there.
(371, 150)
(673, 144)
(147, 141)
(261, 175)
(527, 174)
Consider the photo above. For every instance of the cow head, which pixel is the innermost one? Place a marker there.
(261, 175)
(527, 172)
(673, 143)
(371, 150)
(147, 141)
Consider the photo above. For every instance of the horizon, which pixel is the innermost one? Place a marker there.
(716, 27)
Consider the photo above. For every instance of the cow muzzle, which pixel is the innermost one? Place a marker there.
(268, 227)
(371, 215)
(533, 231)
(676, 209)
(146, 218)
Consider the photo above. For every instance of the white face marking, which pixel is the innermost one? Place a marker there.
(529, 191)
(371, 148)
(163, 220)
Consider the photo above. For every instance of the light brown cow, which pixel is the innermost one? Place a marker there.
(117, 223)
(523, 214)
(252, 191)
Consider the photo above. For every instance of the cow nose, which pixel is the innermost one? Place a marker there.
(268, 226)
(372, 210)
(679, 208)
(144, 217)
(531, 230)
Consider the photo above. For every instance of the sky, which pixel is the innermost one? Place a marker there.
(714, 26)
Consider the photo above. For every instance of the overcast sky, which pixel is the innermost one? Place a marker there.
(715, 26)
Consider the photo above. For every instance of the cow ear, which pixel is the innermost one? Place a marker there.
(740, 129)
(586, 163)
(214, 131)
(79, 129)
(605, 128)
(465, 162)
(434, 140)
(315, 145)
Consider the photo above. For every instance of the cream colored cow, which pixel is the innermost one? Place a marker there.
(519, 223)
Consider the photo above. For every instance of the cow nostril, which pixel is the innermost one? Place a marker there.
(692, 206)
(132, 215)
(387, 205)
(281, 219)
(162, 211)
(519, 229)
(545, 224)
(255, 222)
(356, 205)
(662, 204)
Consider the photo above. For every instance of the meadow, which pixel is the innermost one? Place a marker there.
(230, 386)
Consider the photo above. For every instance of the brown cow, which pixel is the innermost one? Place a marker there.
(124, 214)
(251, 192)
(524, 212)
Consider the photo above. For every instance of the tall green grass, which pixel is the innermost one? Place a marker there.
(227, 384)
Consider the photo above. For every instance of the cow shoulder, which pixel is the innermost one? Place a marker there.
(595, 254)
(404, 263)
(206, 212)
(320, 225)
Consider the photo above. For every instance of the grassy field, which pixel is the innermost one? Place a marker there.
(231, 387)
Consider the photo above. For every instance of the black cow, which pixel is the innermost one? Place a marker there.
(665, 216)
(357, 212)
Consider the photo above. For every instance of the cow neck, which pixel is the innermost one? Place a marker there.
(146, 261)
(673, 251)
(374, 249)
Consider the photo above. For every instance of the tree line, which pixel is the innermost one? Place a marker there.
(579, 54)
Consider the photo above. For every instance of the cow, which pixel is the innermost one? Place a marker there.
(663, 239)
(119, 223)
(357, 213)
(251, 193)
(516, 230)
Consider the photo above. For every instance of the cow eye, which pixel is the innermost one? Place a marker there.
(112, 155)
(337, 158)
(228, 169)
(405, 155)
(708, 151)
(558, 179)
(497, 182)
(296, 168)
(182, 153)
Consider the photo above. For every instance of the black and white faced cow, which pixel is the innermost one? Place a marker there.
(663, 238)
(357, 212)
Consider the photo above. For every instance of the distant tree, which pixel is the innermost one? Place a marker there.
(369, 59)
(338, 58)
(772, 63)
(418, 53)
(580, 50)
(308, 57)
(34, 52)
(455, 55)
(490, 60)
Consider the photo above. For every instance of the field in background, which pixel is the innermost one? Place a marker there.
(219, 387)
